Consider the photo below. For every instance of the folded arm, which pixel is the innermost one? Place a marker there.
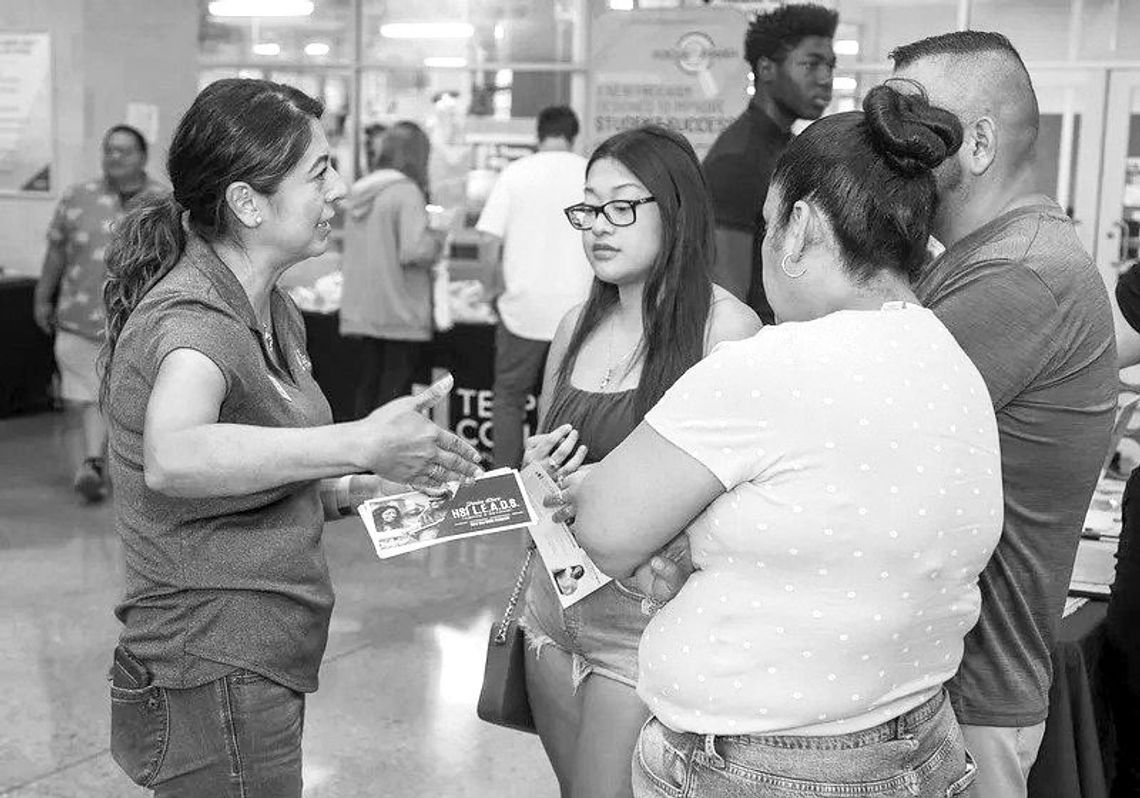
(638, 499)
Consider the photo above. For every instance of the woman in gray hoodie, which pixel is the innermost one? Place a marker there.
(388, 253)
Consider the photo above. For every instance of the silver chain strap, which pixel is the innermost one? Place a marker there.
(512, 602)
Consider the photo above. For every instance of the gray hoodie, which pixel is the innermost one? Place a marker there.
(388, 252)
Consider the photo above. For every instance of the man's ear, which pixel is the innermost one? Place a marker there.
(764, 70)
(980, 145)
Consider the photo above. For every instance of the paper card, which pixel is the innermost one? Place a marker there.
(495, 502)
(568, 567)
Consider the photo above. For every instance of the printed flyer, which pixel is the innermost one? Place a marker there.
(570, 569)
(411, 521)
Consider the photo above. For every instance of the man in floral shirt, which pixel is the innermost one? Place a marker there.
(69, 297)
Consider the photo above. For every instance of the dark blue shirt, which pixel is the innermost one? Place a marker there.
(737, 169)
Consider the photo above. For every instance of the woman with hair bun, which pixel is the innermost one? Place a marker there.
(224, 455)
(838, 478)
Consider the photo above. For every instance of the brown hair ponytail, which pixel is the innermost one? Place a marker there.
(148, 242)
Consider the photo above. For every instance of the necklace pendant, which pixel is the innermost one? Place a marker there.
(605, 379)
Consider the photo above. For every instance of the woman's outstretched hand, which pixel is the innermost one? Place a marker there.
(402, 445)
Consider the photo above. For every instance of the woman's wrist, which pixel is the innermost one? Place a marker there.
(350, 441)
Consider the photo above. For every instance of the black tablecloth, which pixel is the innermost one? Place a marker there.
(335, 362)
(466, 350)
(26, 358)
(1075, 760)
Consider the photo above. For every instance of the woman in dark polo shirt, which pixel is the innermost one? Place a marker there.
(221, 445)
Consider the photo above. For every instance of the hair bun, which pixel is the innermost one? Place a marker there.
(912, 135)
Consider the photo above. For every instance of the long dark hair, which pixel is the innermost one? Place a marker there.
(406, 148)
(254, 131)
(871, 174)
(678, 290)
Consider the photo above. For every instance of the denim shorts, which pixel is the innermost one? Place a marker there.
(920, 753)
(601, 632)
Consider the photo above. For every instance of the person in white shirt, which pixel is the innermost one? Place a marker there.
(838, 478)
(545, 271)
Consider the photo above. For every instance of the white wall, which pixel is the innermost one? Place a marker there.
(1038, 28)
(105, 53)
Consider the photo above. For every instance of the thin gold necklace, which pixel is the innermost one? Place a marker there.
(611, 364)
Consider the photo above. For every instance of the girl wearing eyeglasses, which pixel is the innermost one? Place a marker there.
(647, 229)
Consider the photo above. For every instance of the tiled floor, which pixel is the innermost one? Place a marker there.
(395, 715)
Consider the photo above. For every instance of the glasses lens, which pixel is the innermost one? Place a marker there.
(620, 213)
(580, 216)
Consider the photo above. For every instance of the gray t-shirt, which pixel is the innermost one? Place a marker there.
(1026, 303)
(241, 581)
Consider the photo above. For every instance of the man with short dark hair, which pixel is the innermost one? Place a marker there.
(1025, 302)
(790, 52)
(544, 268)
(69, 296)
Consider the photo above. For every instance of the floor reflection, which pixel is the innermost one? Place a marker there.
(395, 715)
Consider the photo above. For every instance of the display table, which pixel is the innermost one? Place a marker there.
(26, 359)
(467, 351)
(335, 362)
(1076, 756)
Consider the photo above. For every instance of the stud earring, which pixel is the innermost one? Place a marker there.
(784, 268)
(257, 220)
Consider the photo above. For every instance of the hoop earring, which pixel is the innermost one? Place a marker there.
(784, 268)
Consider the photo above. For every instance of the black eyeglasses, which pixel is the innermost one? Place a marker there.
(620, 213)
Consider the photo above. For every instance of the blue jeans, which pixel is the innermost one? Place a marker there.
(236, 737)
(918, 754)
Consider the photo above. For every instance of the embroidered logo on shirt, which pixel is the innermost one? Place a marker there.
(280, 388)
(303, 359)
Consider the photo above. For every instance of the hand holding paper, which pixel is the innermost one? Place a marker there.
(409, 521)
(570, 569)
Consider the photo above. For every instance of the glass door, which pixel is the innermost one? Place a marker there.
(1071, 101)
(1118, 239)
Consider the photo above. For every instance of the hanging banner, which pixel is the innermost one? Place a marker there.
(25, 112)
(683, 69)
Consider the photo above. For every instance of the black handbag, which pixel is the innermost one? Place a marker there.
(503, 699)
